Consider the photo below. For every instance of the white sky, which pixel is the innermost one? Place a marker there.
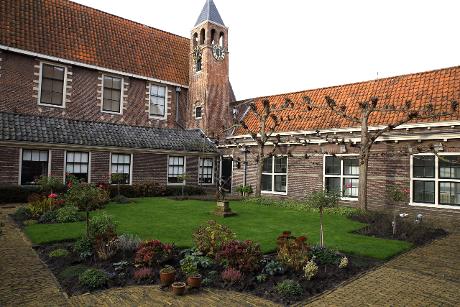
(292, 45)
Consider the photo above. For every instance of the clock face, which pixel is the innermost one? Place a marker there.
(218, 52)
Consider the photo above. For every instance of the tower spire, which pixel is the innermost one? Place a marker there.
(209, 13)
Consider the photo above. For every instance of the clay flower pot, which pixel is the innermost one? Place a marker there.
(178, 288)
(194, 281)
(167, 276)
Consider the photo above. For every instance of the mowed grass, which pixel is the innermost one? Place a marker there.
(174, 221)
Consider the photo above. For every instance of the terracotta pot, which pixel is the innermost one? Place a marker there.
(194, 281)
(167, 278)
(178, 288)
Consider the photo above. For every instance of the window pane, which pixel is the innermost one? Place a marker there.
(58, 73)
(280, 183)
(43, 156)
(116, 83)
(161, 91)
(26, 155)
(449, 193)
(423, 166)
(108, 82)
(48, 71)
(58, 86)
(47, 85)
(333, 184)
(268, 165)
(266, 183)
(280, 165)
(115, 106)
(351, 167)
(350, 187)
(449, 167)
(332, 165)
(32, 170)
(423, 191)
(56, 99)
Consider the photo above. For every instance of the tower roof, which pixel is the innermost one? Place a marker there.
(210, 13)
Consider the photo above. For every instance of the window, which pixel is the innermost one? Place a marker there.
(206, 170)
(121, 168)
(198, 64)
(176, 170)
(77, 164)
(436, 179)
(341, 175)
(34, 165)
(157, 100)
(52, 85)
(198, 112)
(112, 94)
(274, 175)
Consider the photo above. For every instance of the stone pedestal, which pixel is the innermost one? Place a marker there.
(223, 209)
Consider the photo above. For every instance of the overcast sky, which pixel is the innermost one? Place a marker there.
(292, 45)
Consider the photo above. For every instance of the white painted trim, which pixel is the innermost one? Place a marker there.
(194, 113)
(436, 180)
(273, 174)
(64, 90)
(158, 117)
(184, 182)
(95, 67)
(20, 161)
(20, 166)
(341, 176)
(213, 171)
(121, 94)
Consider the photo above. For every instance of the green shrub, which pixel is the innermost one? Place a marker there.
(73, 271)
(30, 222)
(310, 270)
(324, 255)
(261, 278)
(151, 189)
(102, 227)
(58, 253)
(93, 279)
(10, 194)
(289, 288)
(48, 217)
(273, 268)
(188, 267)
(86, 196)
(83, 247)
(40, 205)
(210, 237)
(22, 214)
(50, 184)
(68, 214)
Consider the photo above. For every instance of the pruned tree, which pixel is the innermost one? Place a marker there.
(405, 113)
(264, 132)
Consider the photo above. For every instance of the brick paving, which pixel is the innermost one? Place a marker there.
(425, 276)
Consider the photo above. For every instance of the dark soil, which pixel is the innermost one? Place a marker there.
(67, 269)
(380, 225)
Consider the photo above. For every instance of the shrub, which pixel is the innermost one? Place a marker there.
(196, 257)
(273, 268)
(244, 190)
(48, 217)
(289, 288)
(22, 214)
(188, 266)
(261, 278)
(242, 255)
(50, 184)
(73, 271)
(68, 214)
(151, 189)
(86, 197)
(151, 253)
(324, 255)
(210, 237)
(128, 242)
(231, 275)
(343, 262)
(83, 247)
(58, 253)
(210, 278)
(143, 274)
(310, 270)
(10, 194)
(93, 279)
(106, 249)
(29, 222)
(292, 251)
(40, 205)
(102, 228)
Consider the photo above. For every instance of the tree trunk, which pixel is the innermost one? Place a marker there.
(260, 168)
(362, 186)
(321, 232)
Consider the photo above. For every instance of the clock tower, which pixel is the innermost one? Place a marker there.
(210, 91)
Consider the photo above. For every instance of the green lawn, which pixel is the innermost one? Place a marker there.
(174, 221)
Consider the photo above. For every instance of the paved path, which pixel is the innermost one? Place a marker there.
(425, 276)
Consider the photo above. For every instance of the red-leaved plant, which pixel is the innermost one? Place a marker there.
(152, 253)
(143, 274)
(292, 251)
(242, 255)
(231, 275)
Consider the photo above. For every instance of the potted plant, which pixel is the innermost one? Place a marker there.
(167, 275)
(178, 287)
(194, 280)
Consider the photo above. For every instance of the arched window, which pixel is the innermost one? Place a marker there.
(195, 39)
(213, 37)
(202, 36)
(198, 112)
(221, 39)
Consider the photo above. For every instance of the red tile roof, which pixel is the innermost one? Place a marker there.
(439, 87)
(68, 30)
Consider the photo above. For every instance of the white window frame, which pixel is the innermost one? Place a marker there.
(130, 166)
(212, 173)
(273, 174)
(165, 116)
(436, 180)
(184, 182)
(20, 162)
(121, 94)
(341, 176)
(196, 117)
(64, 90)
(89, 163)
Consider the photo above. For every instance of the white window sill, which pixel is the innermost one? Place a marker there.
(273, 193)
(349, 198)
(157, 117)
(112, 113)
(51, 105)
(176, 184)
(434, 206)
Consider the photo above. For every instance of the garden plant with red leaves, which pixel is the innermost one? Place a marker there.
(242, 255)
(292, 251)
(152, 253)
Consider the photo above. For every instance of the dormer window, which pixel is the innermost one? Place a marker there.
(112, 94)
(52, 89)
(198, 112)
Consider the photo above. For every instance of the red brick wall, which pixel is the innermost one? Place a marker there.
(57, 164)
(150, 167)
(19, 94)
(9, 165)
(100, 166)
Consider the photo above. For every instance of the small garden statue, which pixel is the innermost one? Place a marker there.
(223, 206)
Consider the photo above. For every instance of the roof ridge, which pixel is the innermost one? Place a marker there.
(123, 18)
(347, 84)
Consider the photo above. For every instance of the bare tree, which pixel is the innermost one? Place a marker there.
(407, 112)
